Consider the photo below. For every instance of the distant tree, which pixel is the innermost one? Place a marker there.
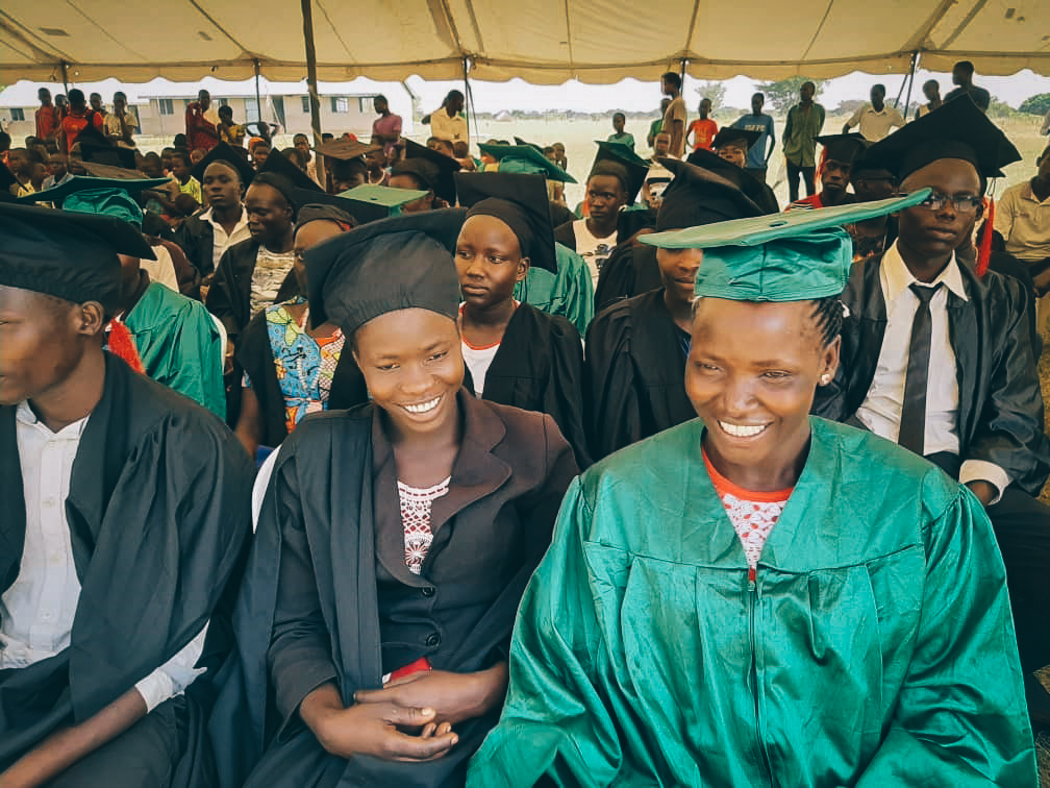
(783, 94)
(1000, 109)
(1038, 104)
(851, 106)
(715, 91)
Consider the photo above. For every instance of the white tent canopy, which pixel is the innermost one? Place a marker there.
(542, 41)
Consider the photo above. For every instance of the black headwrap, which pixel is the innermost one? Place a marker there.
(315, 212)
(281, 184)
(511, 214)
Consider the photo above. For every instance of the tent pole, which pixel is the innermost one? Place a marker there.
(311, 81)
(258, 95)
(468, 98)
(911, 82)
(65, 77)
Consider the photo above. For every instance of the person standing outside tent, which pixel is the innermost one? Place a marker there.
(47, 120)
(120, 124)
(931, 88)
(78, 119)
(962, 76)
(657, 125)
(804, 122)
(386, 129)
(703, 129)
(447, 123)
(758, 155)
(675, 115)
(621, 136)
(202, 123)
(875, 118)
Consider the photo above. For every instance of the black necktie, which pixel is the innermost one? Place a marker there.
(913, 412)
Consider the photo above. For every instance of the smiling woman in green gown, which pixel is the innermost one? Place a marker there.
(759, 597)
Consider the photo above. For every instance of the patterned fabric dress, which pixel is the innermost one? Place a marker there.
(305, 365)
(416, 504)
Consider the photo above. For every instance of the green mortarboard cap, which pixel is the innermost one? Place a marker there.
(345, 150)
(226, 153)
(956, 130)
(795, 256)
(728, 134)
(611, 157)
(86, 183)
(843, 147)
(365, 203)
(533, 145)
(525, 160)
(115, 203)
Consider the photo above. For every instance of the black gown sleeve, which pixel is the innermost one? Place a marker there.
(565, 393)
(615, 418)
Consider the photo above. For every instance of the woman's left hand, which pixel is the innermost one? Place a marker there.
(454, 696)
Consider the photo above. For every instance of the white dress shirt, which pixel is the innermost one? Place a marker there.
(453, 129)
(224, 240)
(881, 410)
(876, 125)
(37, 611)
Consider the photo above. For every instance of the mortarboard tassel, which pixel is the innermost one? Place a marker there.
(122, 345)
(984, 251)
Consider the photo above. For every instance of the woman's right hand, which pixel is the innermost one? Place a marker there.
(382, 730)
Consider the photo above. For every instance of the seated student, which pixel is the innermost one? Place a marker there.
(568, 292)
(373, 625)
(758, 596)
(426, 170)
(636, 349)
(182, 177)
(126, 509)
(206, 236)
(733, 144)
(175, 339)
(632, 269)
(839, 152)
(937, 356)
(515, 353)
(872, 180)
(257, 272)
(293, 366)
(616, 179)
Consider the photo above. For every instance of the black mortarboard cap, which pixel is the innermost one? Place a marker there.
(7, 178)
(957, 130)
(234, 157)
(872, 165)
(697, 196)
(72, 256)
(757, 191)
(436, 170)
(401, 263)
(618, 160)
(89, 135)
(105, 153)
(844, 148)
(728, 134)
(528, 213)
(279, 165)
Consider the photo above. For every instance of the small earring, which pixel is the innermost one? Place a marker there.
(825, 379)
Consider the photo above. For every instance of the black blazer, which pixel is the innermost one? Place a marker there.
(1000, 403)
(230, 296)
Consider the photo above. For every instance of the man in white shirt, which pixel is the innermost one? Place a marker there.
(113, 555)
(937, 355)
(875, 119)
(446, 123)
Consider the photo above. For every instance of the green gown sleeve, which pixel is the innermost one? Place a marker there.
(961, 718)
(569, 293)
(554, 721)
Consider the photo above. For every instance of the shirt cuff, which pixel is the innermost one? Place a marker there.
(172, 678)
(984, 471)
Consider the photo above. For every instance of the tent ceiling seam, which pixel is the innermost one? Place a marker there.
(920, 40)
(20, 32)
(218, 27)
(447, 13)
(105, 32)
(816, 33)
(692, 27)
(335, 30)
(965, 23)
(476, 27)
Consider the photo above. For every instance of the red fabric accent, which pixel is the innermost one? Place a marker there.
(984, 252)
(821, 163)
(122, 345)
(724, 485)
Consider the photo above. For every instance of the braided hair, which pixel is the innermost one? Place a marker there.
(829, 313)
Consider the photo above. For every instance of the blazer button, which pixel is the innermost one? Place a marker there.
(427, 591)
(434, 640)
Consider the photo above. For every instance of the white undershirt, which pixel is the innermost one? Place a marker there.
(37, 611)
(221, 240)
(478, 361)
(881, 410)
(594, 251)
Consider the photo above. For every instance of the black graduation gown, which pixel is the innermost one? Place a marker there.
(628, 223)
(1000, 416)
(539, 366)
(255, 356)
(229, 298)
(630, 270)
(196, 236)
(327, 597)
(634, 374)
(158, 511)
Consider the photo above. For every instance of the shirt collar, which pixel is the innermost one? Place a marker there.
(25, 414)
(206, 216)
(897, 277)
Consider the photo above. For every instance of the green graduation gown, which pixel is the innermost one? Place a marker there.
(179, 345)
(569, 293)
(875, 647)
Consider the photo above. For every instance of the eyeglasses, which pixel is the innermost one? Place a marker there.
(966, 203)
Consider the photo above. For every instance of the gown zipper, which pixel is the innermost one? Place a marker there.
(753, 596)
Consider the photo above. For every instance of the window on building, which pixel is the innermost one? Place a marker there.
(251, 110)
(306, 105)
(224, 102)
(166, 107)
(364, 105)
(17, 113)
(340, 104)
